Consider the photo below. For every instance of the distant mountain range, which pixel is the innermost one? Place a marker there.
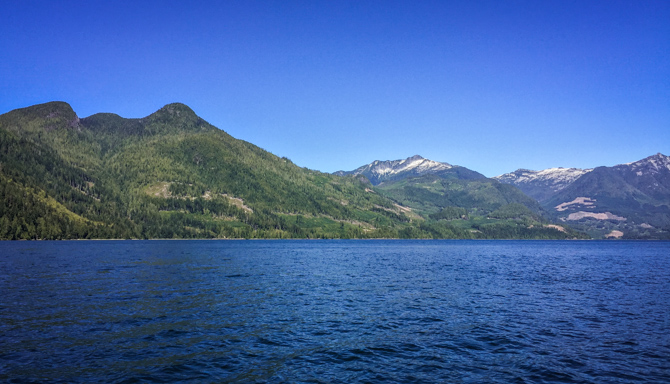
(631, 200)
(173, 175)
(625, 201)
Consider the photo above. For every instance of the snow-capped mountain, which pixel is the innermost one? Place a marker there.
(653, 164)
(650, 175)
(629, 200)
(380, 171)
(541, 185)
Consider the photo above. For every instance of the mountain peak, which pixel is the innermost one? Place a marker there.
(415, 163)
(50, 115)
(380, 171)
(561, 174)
(177, 116)
(655, 163)
(48, 110)
(659, 156)
(174, 117)
(56, 105)
(176, 109)
(542, 184)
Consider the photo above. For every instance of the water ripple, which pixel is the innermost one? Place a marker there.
(335, 312)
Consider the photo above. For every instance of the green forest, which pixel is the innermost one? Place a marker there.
(173, 175)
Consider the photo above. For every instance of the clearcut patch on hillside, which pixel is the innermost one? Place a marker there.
(585, 201)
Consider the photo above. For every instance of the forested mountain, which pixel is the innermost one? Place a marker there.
(627, 200)
(170, 174)
(173, 175)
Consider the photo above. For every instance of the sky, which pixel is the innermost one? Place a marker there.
(490, 85)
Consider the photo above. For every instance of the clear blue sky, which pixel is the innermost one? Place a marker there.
(490, 85)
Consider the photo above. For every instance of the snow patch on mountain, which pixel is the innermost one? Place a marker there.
(654, 164)
(555, 178)
(392, 167)
(379, 171)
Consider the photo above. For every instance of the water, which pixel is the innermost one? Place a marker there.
(335, 311)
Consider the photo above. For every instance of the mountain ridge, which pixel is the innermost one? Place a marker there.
(624, 200)
(542, 184)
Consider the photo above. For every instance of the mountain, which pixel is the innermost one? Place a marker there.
(464, 198)
(383, 171)
(172, 174)
(650, 175)
(429, 186)
(541, 185)
(627, 200)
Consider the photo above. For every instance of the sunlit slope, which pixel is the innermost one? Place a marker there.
(172, 174)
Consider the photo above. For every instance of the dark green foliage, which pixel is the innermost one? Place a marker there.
(450, 213)
(432, 193)
(168, 175)
(515, 211)
(475, 208)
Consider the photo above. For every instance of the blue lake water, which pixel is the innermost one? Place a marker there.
(335, 311)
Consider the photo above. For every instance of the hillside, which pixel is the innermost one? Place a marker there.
(170, 174)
